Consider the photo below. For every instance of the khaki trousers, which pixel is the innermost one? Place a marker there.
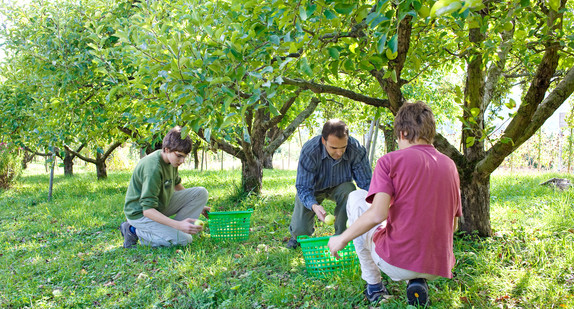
(187, 203)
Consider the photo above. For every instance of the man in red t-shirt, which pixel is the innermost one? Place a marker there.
(404, 225)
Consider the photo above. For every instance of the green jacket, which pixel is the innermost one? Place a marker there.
(151, 186)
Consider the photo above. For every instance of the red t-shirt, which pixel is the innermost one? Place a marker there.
(425, 198)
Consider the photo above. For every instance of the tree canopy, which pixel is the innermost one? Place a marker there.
(243, 75)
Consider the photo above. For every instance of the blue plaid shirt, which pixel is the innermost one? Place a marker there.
(318, 171)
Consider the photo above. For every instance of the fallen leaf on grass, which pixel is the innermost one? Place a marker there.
(142, 276)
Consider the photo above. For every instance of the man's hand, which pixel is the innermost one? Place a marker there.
(188, 226)
(205, 212)
(336, 244)
(319, 211)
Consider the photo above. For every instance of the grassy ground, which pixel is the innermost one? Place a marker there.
(68, 254)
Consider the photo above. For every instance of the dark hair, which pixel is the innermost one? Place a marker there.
(417, 120)
(173, 141)
(335, 127)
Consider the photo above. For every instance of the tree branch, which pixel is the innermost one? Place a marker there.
(549, 105)
(496, 68)
(221, 144)
(322, 88)
(443, 145)
(283, 135)
(77, 154)
(275, 120)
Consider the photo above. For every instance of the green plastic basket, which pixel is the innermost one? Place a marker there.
(230, 225)
(318, 259)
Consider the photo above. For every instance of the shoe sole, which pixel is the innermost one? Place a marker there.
(417, 294)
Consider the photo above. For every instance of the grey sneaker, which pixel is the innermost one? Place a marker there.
(418, 292)
(292, 243)
(130, 239)
(377, 294)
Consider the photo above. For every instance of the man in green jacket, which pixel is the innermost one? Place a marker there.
(155, 194)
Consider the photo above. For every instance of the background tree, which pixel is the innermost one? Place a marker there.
(62, 98)
(472, 38)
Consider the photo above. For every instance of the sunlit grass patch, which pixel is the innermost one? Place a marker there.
(68, 252)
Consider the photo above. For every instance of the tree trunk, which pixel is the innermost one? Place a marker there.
(251, 176)
(390, 141)
(268, 162)
(195, 151)
(100, 163)
(369, 137)
(101, 171)
(51, 184)
(27, 158)
(68, 164)
(156, 145)
(475, 195)
(373, 146)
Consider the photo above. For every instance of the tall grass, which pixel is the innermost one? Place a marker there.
(68, 253)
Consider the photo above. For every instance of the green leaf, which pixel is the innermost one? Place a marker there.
(348, 65)
(362, 13)
(267, 69)
(344, 8)
(274, 40)
(377, 21)
(311, 7)
(333, 52)
(293, 48)
(382, 43)
(207, 134)
(393, 43)
(376, 61)
(554, 4)
(394, 75)
(511, 104)
(329, 14)
(353, 47)
(334, 68)
(470, 141)
(416, 62)
(474, 112)
(305, 67)
(246, 136)
(273, 109)
(506, 140)
(302, 13)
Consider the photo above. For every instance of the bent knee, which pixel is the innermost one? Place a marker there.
(202, 193)
(357, 195)
(347, 187)
(181, 239)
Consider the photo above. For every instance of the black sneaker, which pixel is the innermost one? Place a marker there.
(130, 239)
(418, 292)
(292, 243)
(376, 295)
